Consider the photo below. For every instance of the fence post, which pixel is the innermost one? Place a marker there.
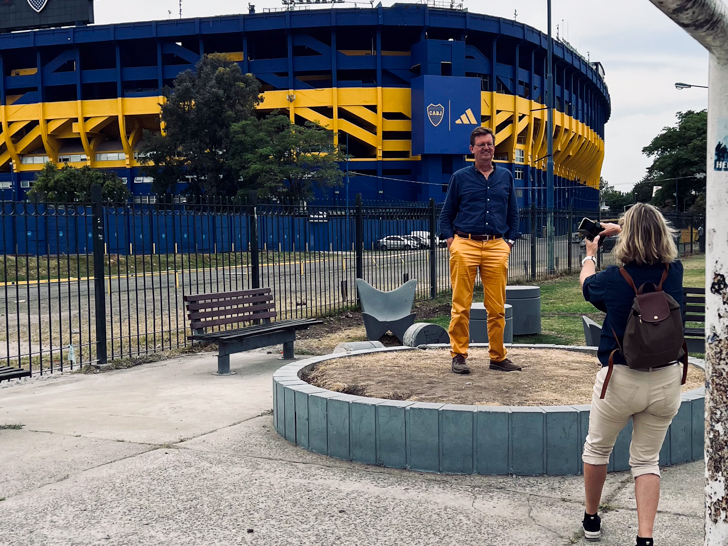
(533, 240)
(433, 249)
(692, 219)
(359, 237)
(568, 233)
(253, 239)
(97, 236)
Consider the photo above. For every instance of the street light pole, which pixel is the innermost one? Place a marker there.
(550, 147)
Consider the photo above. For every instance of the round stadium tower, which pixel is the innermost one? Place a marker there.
(402, 87)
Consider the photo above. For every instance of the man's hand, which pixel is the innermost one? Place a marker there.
(593, 246)
(449, 242)
(610, 229)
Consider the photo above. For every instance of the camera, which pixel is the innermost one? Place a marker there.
(590, 229)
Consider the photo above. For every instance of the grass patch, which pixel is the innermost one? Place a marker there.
(11, 427)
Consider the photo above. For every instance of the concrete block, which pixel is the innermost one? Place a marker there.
(423, 437)
(620, 453)
(301, 418)
(363, 432)
(562, 440)
(492, 426)
(698, 438)
(457, 438)
(583, 430)
(391, 440)
(338, 428)
(681, 434)
(526, 302)
(479, 324)
(289, 403)
(317, 426)
(275, 405)
(280, 409)
(351, 346)
(527, 441)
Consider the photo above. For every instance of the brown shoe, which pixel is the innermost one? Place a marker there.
(504, 366)
(459, 365)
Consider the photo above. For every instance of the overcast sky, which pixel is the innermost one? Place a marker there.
(642, 51)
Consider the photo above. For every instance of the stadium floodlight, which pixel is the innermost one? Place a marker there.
(681, 86)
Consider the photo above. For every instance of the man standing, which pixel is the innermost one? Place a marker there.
(480, 222)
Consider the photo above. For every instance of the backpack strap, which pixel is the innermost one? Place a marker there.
(609, 374)
(629, 280)
(664, 276)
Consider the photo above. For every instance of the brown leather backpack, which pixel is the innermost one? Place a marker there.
(654, 334)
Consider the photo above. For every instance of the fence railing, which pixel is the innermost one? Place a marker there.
(88, 283)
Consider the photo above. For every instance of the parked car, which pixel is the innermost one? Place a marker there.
(425, 235)
(421, 241)
(395, 242)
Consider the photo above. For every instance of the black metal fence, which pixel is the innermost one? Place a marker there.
(91, 283)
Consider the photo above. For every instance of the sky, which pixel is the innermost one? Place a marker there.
(642, 51)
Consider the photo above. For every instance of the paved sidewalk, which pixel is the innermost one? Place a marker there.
(168, 453)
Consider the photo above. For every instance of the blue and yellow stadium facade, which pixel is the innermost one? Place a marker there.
(85, 95)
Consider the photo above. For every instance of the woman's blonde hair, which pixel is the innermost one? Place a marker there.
(646, 237)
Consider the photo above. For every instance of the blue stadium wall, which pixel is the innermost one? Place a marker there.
(403, 86)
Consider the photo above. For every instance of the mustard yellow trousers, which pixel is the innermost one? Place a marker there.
(466, 258)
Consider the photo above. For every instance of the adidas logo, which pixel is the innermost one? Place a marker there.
(467, 118)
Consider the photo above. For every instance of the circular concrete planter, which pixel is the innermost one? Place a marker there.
(459, 439)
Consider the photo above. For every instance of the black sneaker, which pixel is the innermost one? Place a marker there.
(641, 541)
(459, 365)
(504, 365)
(592, 527)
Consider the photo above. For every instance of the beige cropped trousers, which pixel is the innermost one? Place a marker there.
(650, 399)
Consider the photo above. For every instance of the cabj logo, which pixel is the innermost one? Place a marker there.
(37, 5)
(435, 113)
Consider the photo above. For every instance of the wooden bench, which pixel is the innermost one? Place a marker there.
(254, 307)
(694, 300)
(12, 373)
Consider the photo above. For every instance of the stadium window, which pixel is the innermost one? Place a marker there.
(518, 175)
(520, 156)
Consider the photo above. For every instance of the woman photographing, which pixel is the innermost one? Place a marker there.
(649, 396)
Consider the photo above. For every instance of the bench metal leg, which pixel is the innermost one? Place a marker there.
(288, 350)
(223, 364)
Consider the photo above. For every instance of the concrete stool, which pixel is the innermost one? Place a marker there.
(423, 333)
(526, 302)
(479, 324)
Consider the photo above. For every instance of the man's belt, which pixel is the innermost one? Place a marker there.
(477, 237)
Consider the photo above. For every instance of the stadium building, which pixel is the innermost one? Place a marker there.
(404, 86)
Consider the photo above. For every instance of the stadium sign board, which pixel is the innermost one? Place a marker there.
(33, 14)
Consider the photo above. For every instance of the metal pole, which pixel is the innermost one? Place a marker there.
(550, 148)
(97, 211)
(433, 249)
(253, 239)
(707, 22)
(359, 232)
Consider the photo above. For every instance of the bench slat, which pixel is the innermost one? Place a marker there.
(230, 320)
(695, 332)
(227, 295)
(13, 373)
(228, 302)
(690, 290)
(240, 311)
(255, 330)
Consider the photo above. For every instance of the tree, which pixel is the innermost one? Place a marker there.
(70, 184)
(197, 116)
(280, 159)
(613, 198)
(679, 160)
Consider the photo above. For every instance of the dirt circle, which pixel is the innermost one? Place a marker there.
(550, 377)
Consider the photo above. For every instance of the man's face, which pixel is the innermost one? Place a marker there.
(484, 148)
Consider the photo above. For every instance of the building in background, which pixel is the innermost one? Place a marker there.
(404, 86)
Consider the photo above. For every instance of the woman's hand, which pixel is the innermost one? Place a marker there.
(610, 229)
(593, 246)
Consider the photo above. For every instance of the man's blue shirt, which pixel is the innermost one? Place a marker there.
(478, 206)
(608, 291)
